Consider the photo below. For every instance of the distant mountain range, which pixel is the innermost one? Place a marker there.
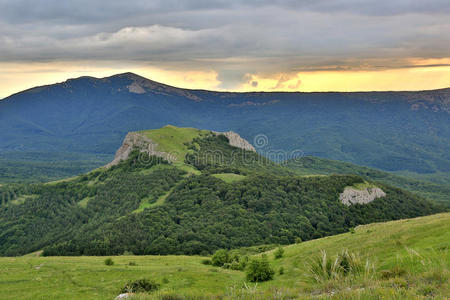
(81, 122)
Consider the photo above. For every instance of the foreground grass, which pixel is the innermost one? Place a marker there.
(90, 278)
(410, 259)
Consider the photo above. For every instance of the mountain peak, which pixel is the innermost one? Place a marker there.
(143, 85)
(169, 142)
(130, 75)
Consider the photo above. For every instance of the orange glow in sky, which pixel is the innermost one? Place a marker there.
(16, 77)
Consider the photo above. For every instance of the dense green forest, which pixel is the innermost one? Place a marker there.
(146, 205)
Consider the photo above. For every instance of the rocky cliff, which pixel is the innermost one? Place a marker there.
(236, 140)
(141, 142)
(355, 196)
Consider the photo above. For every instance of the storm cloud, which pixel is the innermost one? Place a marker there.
(233, 38)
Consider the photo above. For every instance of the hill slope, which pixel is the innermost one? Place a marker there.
(147, 205)
(391, 131)
(416, 248)
(320, 166)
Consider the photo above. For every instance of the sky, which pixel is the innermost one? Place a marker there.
(252, 45)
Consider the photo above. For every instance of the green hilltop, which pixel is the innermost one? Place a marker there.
(174, 140)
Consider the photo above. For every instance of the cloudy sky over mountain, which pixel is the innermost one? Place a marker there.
(300, 45)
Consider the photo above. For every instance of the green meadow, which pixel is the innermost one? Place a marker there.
(407, 259)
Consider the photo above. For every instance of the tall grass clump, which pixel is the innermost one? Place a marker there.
(344, 266)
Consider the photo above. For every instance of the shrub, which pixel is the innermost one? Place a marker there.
(235, 265)
(109, 262)
(279, 253)
(220, 258)
(226, 266)
(281, 271)
(259, 270)
(298, 240)
(140, 286)
(206, 261)
(132, 263)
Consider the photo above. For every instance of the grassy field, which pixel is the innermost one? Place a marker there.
(410, 260)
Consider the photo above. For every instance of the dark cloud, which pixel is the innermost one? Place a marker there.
(232, 37)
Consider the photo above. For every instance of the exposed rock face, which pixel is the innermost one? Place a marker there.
(354, 196)
(141, 142)
(236, 140)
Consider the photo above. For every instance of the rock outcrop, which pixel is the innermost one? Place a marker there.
(354, 196)
(141, 142)
(236, 140)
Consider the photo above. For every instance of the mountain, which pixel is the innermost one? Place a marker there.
(189, 191)
(81, 122)
(310, 165)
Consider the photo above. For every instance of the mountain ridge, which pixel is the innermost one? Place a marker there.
(134, 76)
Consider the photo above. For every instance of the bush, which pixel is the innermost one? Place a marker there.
(109, 262)
(206, 261)
(298, 240)
(259, 270)
(132, 263)
(220, 258)
(279, 253)
(226, 266)
(140, 286)
(281, 272)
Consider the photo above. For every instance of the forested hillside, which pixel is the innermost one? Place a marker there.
(146, 205)
(319, 166)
